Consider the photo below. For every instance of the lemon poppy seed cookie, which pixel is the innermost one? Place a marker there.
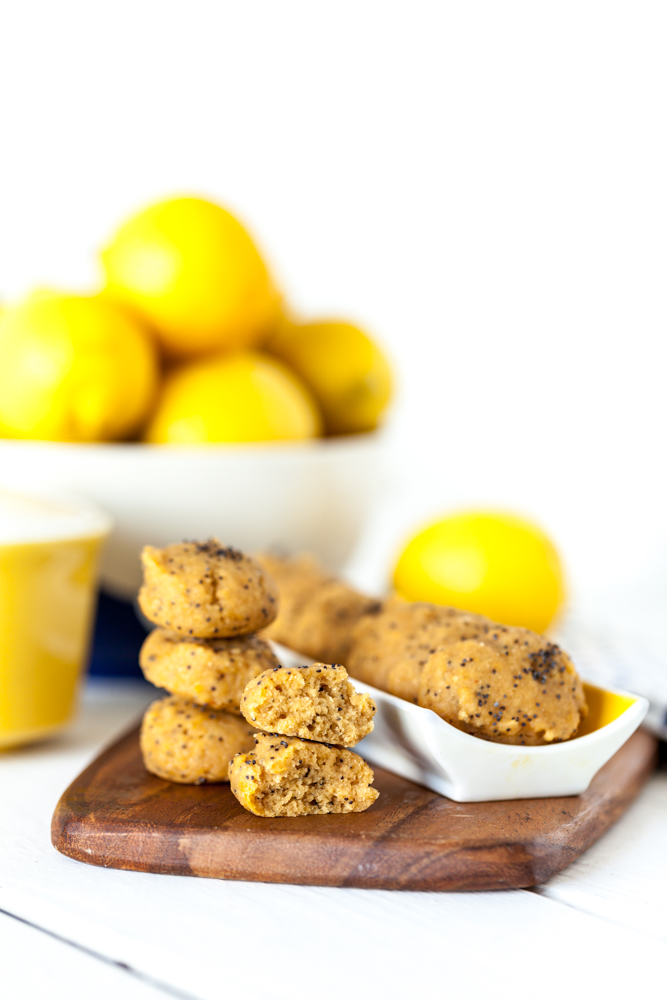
(389, 649)
(317, 610)
(317, 702)
(183, 742)
(203, 589)
(404, 671)
(513, 686)
(379, 642)
(209, 671)
(285, 776)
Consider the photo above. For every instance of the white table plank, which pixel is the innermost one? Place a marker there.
(211, 938)
(37, 965)
(192, 933)
(623, 877)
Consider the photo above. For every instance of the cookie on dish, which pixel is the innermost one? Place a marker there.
(317, 610)
(389, 649)
(513, 686)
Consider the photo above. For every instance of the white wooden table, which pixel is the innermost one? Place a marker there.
(69, 930)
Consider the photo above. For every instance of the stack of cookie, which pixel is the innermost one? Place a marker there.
(299, 766)
(208, 602)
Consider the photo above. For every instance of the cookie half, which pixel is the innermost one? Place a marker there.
(285, 776)
(315, 702)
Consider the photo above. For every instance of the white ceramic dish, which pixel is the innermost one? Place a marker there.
(311, 496)
(417, 744)
(420, 746)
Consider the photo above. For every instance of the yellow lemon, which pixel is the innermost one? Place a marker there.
(73, 368)
(240, 396)
(495, 564)
(193, 272)
(346, 371)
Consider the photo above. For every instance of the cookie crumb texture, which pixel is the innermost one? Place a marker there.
(183, 742)
(205, 590)
(211, 672)
(285, 776)
(514, 686)
(317, 611)
(316, 702)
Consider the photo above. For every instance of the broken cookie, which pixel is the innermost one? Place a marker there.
(285, 776)
(315, 702)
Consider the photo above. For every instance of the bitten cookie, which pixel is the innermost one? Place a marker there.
(284, 776)
(317, 611)
(203, 589)
(514, 686)
(209, 671)
(183, 742)
(316, 702)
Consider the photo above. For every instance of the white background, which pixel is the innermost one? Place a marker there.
(482, 184)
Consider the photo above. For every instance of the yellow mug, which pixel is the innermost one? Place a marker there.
(49, 549)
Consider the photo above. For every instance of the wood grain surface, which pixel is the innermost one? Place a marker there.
(117, 815)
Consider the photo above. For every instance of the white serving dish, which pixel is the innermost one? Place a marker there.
(420, 746)
(417, 744)
(304, 496)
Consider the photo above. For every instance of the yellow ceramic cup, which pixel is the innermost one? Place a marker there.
(48, 570)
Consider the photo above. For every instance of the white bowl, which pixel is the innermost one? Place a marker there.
(311, 496)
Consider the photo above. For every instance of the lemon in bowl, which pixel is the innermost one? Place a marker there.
(496, 564)
(161, 399)
(230, 450)
(345, 369)
(234, 397)
(193, 272)
(74, 368)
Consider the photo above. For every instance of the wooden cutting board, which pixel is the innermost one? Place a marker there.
(117, 815)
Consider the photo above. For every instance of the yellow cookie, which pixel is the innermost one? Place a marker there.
(513, 686)
(183, 742)
(389, 650)
(284, 776)
(316, 703)
(205, 590)
(317, 611)
(209, 671)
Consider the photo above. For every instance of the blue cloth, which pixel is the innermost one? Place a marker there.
(117, 638)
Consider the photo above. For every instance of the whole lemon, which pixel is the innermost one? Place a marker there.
(495, 564)
(193, 272)
(239, 396)
(74, 368)
(346, 371)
